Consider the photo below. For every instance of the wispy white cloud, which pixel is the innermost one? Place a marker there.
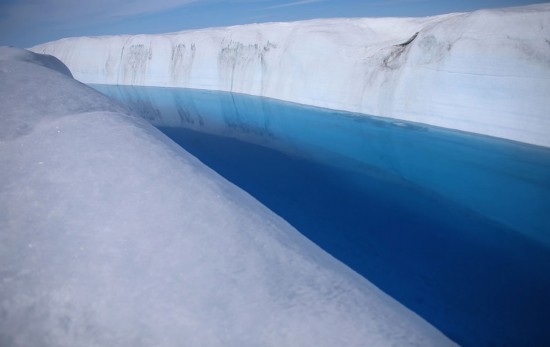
(395, 2)
(27, 22)
(295, 3)
(55, 11)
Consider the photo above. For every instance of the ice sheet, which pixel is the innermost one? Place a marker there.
(110, 234)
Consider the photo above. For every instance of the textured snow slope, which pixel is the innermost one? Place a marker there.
(110, 234)
(486, 72)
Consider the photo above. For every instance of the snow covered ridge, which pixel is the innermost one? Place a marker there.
(486, 72)
(110, 234)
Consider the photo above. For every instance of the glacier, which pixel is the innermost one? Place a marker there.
(420, 211)
(486, 72)
(111, 234)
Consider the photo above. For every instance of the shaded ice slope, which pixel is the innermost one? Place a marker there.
(486, 72)
(110, 234)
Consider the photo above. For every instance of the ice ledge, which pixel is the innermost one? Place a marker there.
(485, 72)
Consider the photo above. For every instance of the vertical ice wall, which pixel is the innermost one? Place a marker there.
(486, 72)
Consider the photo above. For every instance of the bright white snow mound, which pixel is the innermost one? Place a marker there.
(485, 72)
(112, 235)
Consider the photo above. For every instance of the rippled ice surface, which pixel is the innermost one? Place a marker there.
(455, 226)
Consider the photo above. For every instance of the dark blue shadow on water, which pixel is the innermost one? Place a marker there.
(454, 226)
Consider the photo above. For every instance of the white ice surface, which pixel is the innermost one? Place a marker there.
(112, 235)
(486, 72)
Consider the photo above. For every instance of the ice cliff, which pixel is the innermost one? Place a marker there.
(112, 235)
(486, 72)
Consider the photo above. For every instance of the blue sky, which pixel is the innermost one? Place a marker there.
(24, 23)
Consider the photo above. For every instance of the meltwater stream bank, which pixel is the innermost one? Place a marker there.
(453, 225)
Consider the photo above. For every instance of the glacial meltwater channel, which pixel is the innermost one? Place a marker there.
(454, 226)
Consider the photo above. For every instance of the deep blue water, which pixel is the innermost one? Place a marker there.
(454, 226)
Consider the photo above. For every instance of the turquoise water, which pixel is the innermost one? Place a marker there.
(454, 226)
